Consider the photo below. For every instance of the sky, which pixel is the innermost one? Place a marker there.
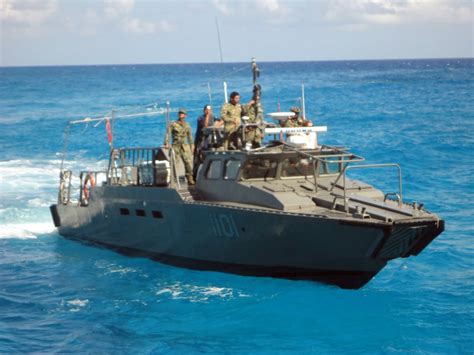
(77, 32)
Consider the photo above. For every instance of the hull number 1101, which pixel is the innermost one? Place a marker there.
(223, 225)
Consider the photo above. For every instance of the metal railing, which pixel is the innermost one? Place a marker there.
(365, 166)
(137, 166)
(64, 195)
(342, 158)
(174, 170)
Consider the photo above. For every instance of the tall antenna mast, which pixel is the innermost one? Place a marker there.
(302, 102)
(222, 59)
(220, 45)
(209, 93)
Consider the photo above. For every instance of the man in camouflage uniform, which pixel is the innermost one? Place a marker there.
(180, 131)
(231, 113)
(294, 121)
(253, 134)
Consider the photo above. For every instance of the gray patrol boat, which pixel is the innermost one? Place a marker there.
(284, 210)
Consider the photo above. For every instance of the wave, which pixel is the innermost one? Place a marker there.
(193, 293)
(25, 230)
(27, 188)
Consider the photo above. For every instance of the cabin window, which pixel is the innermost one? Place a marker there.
(232, 167)
(259, 168)
(157, 214)
(124, 212)
(214, 169)
(296, 166)
(140, 213)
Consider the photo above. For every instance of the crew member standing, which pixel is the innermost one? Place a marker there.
(231, 113)
(253, 134)
(295, 120)
(205, 120)
(180, 131)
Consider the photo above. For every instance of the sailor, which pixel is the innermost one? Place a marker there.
(295, 120)
(253, 134)
(180, 131)
(231, 113)
(203, 121)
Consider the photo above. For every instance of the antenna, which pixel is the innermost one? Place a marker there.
(302, 102)
(220, 45)
(222, 59)
(209, 93)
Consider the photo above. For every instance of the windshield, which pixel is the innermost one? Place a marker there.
(296, 166)
(259, 168)
(331, 166)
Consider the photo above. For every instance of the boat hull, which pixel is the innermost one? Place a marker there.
(157, 223)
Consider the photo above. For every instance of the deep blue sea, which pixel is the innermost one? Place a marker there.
(61, 296)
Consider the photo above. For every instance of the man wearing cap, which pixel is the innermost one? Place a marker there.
(253, 134)
(180, 131)
(295, 120)
(231, 113)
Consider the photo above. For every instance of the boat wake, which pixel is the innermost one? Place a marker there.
(25, 230)
(27, 188)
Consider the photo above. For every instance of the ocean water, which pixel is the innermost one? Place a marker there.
(58, 295)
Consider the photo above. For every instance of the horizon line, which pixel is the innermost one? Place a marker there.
(229, 62)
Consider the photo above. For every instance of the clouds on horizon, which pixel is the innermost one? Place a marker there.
(34, 13)
(26, 12)
(388, 12)
(24, 19)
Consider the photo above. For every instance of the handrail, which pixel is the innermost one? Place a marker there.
(64, 194)
(400, 187)
(351, 159)
(318, 159)
(129, 157)
(174, 171)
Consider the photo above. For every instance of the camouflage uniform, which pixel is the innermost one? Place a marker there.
(231, 115)
(294, 121)
(291, 123)
(255, 114)
(180, 131)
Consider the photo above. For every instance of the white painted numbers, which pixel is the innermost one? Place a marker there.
(223, 225)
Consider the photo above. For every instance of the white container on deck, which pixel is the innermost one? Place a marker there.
(162, 172)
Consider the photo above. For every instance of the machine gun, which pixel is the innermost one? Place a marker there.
(257, 92)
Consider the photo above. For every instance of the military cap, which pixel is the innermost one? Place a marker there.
(295, 109)
(182, 110)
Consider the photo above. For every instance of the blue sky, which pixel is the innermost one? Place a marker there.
(69, 32)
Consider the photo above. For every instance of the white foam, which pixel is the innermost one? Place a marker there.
(39, 202)
(195, 293)
(37, 178)
(26, 230)
(121, 270)
(27, 188)
(78, 303)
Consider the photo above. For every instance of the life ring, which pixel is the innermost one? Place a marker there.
(89, 182)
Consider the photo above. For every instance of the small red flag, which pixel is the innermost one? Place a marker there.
(109, 131)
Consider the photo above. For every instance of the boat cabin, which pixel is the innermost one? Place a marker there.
(272, 176)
